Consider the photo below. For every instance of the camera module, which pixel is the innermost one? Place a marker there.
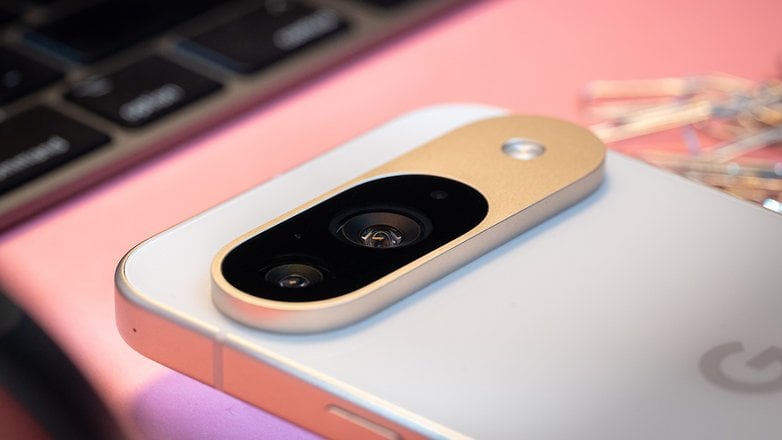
(353, 238)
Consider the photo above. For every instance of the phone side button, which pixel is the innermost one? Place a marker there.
(369, 425)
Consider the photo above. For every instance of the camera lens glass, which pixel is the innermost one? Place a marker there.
(384, 229)
(381, 236)
(294, 276)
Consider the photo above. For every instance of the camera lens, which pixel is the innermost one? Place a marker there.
(294, 276)
(383, 229)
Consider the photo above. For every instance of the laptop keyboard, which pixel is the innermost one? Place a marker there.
(90, 87)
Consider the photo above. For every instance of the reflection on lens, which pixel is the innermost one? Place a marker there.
(294, 276)
(293, 281)
(381, 236)
(383, 229)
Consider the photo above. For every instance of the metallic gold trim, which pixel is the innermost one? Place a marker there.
(521, 193)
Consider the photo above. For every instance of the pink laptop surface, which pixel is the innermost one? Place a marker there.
(527, 56)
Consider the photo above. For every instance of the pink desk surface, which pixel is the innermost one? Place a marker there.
(529, 56)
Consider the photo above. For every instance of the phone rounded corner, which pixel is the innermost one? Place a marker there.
(151, 327)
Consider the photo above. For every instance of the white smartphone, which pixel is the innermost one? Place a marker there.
(645, 306)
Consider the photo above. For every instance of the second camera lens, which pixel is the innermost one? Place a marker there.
(294, 276)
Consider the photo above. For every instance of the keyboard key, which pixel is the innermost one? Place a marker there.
(266, 35)
(103, 29)
(40, 140)
(20, 75)
(142, 92)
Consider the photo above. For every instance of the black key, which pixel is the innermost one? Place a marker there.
(103, 29)
(142, 92)
(20, 75)
(266, 35)
(40, 140)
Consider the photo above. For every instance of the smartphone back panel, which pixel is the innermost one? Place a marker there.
(651, 309)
